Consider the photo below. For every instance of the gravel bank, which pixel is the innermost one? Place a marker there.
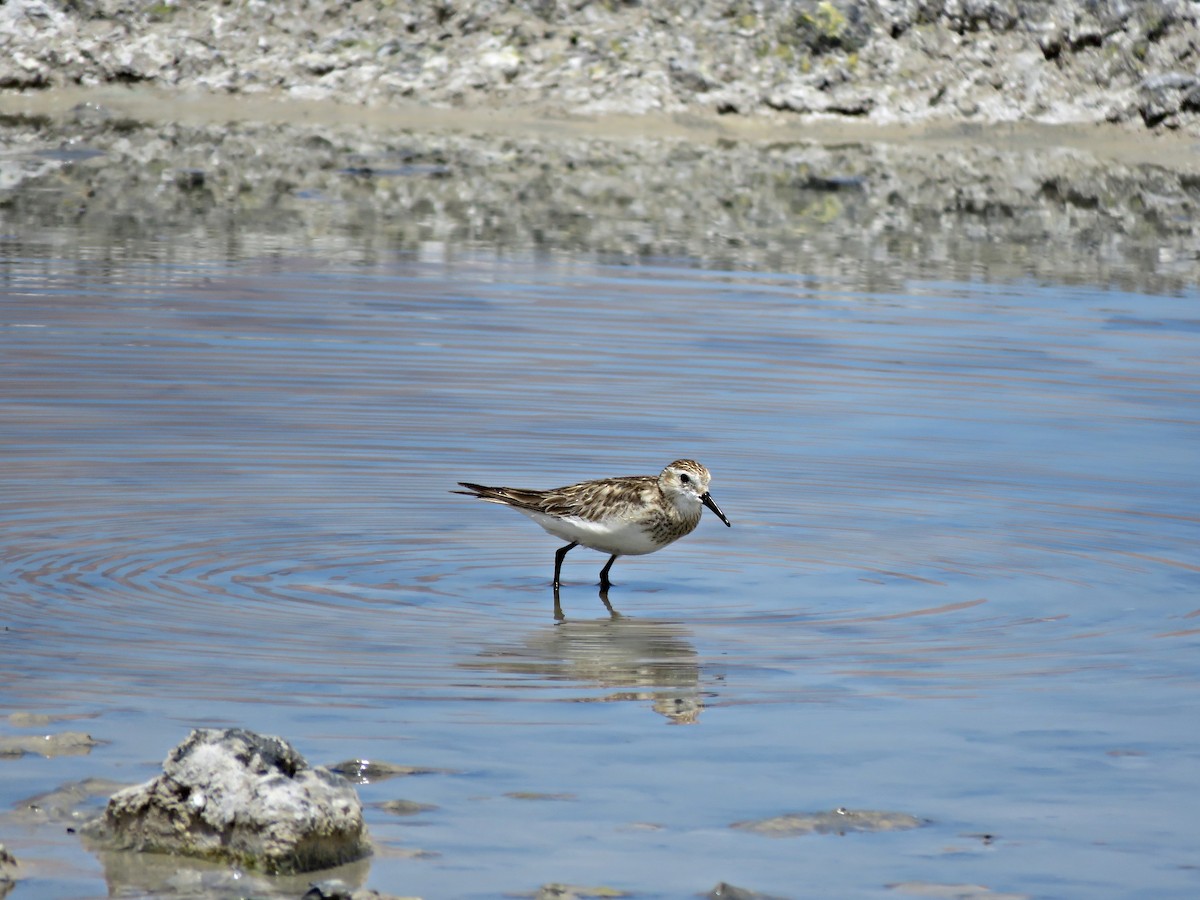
(740, 134)
(1049, 61)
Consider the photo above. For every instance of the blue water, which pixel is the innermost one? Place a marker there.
(961, 583)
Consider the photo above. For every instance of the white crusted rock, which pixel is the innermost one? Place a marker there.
(239, 797)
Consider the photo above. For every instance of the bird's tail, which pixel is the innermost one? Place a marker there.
(516, 497)
(483, 492)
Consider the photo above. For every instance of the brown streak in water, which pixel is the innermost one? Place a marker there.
(1098, 555)
(1191, 567)
(1118, 511)
(929, 611)
(904, 575)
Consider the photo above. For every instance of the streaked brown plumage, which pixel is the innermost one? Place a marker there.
(632, 515)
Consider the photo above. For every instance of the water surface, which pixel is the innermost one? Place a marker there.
(961, 581)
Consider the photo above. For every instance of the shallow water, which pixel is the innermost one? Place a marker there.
(961, 581)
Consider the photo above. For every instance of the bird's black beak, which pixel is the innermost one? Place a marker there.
(707, 500)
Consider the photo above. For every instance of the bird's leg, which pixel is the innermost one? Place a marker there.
(558, 613)
(558, 558)
(604, 582)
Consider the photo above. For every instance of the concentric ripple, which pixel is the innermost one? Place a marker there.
(228, 481)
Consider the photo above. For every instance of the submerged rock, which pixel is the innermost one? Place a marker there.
(69, 804)
(559, 891)
(64, 743)
(243, 798)
(27, 719)
(365, 771)
(336, 889)
(406, 807)
(8, 870)
(835, 821)
(934, 891)
(724, 891)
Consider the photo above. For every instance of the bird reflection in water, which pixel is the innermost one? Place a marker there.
(558, 610)
(629, 658)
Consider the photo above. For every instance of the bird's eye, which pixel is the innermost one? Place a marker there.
(684, 478)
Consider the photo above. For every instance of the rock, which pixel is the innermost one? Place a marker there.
(330, 889)
(8, 869)
(688, 78)
(190, 179)
(336, 889)
(1163, 97)
(725, 891)
(503, 61)
(237, 797)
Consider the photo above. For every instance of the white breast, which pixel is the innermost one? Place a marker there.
(613, 535)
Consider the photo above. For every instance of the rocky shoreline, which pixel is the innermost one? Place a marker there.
(887, 139)
(887, 61)
(1006, 207)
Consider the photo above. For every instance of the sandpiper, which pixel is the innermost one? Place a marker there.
(626, 516)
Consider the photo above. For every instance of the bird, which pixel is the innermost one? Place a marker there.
(626, 516)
